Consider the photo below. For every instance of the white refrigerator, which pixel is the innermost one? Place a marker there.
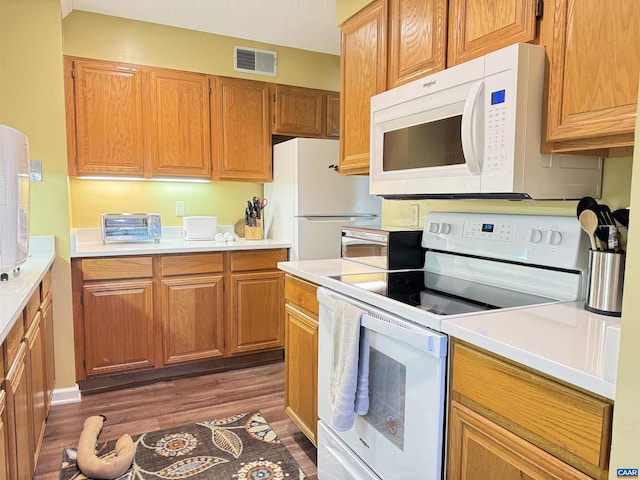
(309, 201)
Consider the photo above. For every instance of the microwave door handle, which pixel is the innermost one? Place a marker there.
(471, 138)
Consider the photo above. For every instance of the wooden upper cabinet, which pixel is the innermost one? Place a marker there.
(298, 111)
(417, 39)
(593, 77)
(241, 130)
(363, 67)
(104, 105)
(477, 27)
(180, 130)
(333, 115)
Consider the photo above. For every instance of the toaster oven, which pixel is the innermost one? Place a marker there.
(130, 227)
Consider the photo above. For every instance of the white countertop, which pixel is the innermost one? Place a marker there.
(87, 243)
(16, 292)
(561, 340)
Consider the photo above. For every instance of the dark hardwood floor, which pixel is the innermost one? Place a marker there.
(177, 402)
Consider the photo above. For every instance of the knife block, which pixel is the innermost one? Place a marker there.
(254, 233)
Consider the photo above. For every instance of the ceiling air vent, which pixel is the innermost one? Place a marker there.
(253, 60)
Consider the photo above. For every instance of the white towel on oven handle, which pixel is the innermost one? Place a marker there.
(345, 376)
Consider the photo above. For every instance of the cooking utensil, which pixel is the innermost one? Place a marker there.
(584, 204)
(621, 216)
(589, 223)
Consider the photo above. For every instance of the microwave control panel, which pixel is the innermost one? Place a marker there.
(498, 104)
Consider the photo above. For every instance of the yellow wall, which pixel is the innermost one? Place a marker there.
(111, 38)
(347, 8)
(32, 100)
(616, 187)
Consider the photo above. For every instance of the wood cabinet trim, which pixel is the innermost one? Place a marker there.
(568, 423)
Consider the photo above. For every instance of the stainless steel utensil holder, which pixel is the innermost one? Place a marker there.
(606, 282)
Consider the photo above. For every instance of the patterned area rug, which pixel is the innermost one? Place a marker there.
(240, 447)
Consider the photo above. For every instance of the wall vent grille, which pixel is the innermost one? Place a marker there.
(252, 60)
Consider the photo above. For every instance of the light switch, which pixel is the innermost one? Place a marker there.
(180, 208)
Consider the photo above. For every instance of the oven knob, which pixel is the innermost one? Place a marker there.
(535, 235)
(434, 227)
(554, 237)
(445, 228)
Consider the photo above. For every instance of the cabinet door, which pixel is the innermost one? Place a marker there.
(298, 111)
(241, 130)
(256, 319)
(34, 340)
(105, 110)
(49, 350)
(482, 450)
(363, 73)
(417, 39)
(4, 439)
(477, 27)
(333, 115)
(19, 424)
(118, 326)
(594, 69)
(192, 318)
(301, 371)
(180, 128)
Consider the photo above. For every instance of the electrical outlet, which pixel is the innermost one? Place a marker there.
(414, 215)
(179, 208)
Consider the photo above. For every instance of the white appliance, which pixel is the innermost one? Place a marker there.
(475, 264)
(309, 201)
(199, 228)
(14, 200)
(474, 130)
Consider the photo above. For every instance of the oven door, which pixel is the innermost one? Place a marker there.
(401, 436)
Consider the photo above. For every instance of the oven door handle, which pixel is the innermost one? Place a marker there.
(428, 341)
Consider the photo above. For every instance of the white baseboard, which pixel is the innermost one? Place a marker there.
(66, 395)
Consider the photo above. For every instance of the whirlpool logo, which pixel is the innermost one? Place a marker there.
(627, 472)
(429, 84)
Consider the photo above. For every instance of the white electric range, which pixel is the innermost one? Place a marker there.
(475, 265)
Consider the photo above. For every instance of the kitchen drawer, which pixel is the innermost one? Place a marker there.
(257, 259)
(301, 293)
(570, 424)
(192, 264)
(12, 343)
(116, 268)
(31, 309)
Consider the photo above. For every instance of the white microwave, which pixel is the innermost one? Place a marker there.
(474, 130)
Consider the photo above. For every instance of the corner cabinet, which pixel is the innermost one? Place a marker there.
(593, 76)
(301, 361)
(304, 112)
(4, 439)
(508, 421)
(256, 301)
(241, 130)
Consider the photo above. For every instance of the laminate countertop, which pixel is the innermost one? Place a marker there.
(87, 242)
(16, 292)
(561, 340)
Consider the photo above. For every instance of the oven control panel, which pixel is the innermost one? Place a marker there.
(541, 239)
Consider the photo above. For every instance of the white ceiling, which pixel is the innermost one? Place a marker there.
(305, 24)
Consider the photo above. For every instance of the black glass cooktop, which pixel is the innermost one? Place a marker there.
(440, 294)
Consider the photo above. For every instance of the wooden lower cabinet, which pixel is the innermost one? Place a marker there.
(49, 349)
(136, 315)
(301, 359)
(118, 326)
(34, 341)
(482, 450)
(4, 440)
(256, 320)
(508, 421)
(192, 308)
(19, 419)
